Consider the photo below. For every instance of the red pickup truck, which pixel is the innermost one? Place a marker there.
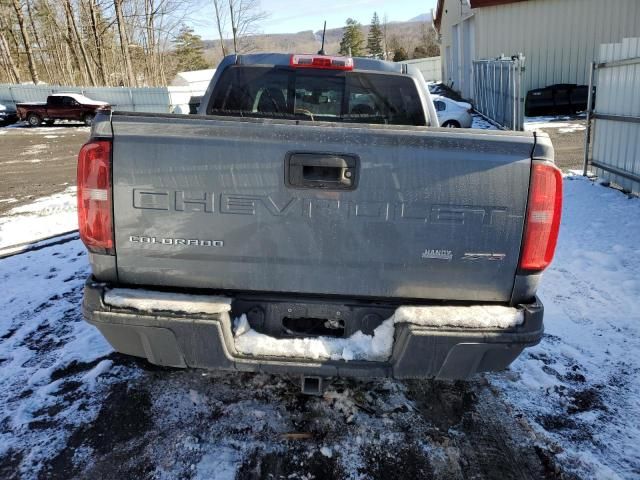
(60, 106)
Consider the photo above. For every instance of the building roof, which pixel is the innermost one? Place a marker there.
(473, 3)
(194, 77)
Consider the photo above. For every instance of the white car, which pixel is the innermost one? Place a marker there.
(452, 114)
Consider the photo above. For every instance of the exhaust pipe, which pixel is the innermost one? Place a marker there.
(312, 385)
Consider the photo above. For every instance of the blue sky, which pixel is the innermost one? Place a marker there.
(289, 16)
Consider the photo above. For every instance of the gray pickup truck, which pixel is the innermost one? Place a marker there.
(313, 219)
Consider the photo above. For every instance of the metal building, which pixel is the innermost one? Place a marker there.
(431, 68)
(559, 38)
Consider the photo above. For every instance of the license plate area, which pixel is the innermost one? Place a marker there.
(282, 318)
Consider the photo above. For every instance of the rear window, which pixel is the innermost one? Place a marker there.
(317, 95)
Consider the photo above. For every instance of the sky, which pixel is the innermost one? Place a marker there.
(290, 16)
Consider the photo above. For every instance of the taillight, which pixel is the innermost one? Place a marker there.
(321, 62)
(95, 219)
(543, 217)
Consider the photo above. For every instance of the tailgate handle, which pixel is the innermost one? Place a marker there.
(321, 170)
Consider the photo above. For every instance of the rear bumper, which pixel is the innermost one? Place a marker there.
(206, 341)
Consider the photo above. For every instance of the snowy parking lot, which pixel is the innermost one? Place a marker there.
(568, 408)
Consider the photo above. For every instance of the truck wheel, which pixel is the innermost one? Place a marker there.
(34, 120)
(88, 119)
(451, 124)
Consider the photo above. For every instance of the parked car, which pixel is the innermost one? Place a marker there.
(8, 113)
(310, 221)
(441, 89)
(60, 106)
(452, 114)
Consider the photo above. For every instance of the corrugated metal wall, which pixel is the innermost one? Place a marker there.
(151, 100)
(558, 37)
(616, 141)
(431, 68)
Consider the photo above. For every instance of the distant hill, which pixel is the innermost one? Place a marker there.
(425, 17)
(408, 35)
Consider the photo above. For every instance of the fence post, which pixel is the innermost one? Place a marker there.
(133, 105)
(587, 133)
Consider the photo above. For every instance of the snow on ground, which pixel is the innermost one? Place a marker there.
(567, 408)
(44, 217)
(563, 124)
(42, 130)
(51, 361)
(481, 123)
(581, 386)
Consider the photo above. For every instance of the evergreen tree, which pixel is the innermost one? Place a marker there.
(374, 40)
(353, 39)
(400, 54)
(189, 51)
(420, 52)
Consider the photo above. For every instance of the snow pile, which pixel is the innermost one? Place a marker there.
(376, 347)
(148, 300)
(474, 316)
(221, 464)
(44, 217)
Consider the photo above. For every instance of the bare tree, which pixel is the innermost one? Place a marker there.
(124, 43)
(246, 17)
(43, 60)
(98, 41)
(80, 42)
(221, 23)
(7, 59)
(26, 40)
(93, 42)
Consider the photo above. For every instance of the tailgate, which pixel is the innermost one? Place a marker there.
(318, 209)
